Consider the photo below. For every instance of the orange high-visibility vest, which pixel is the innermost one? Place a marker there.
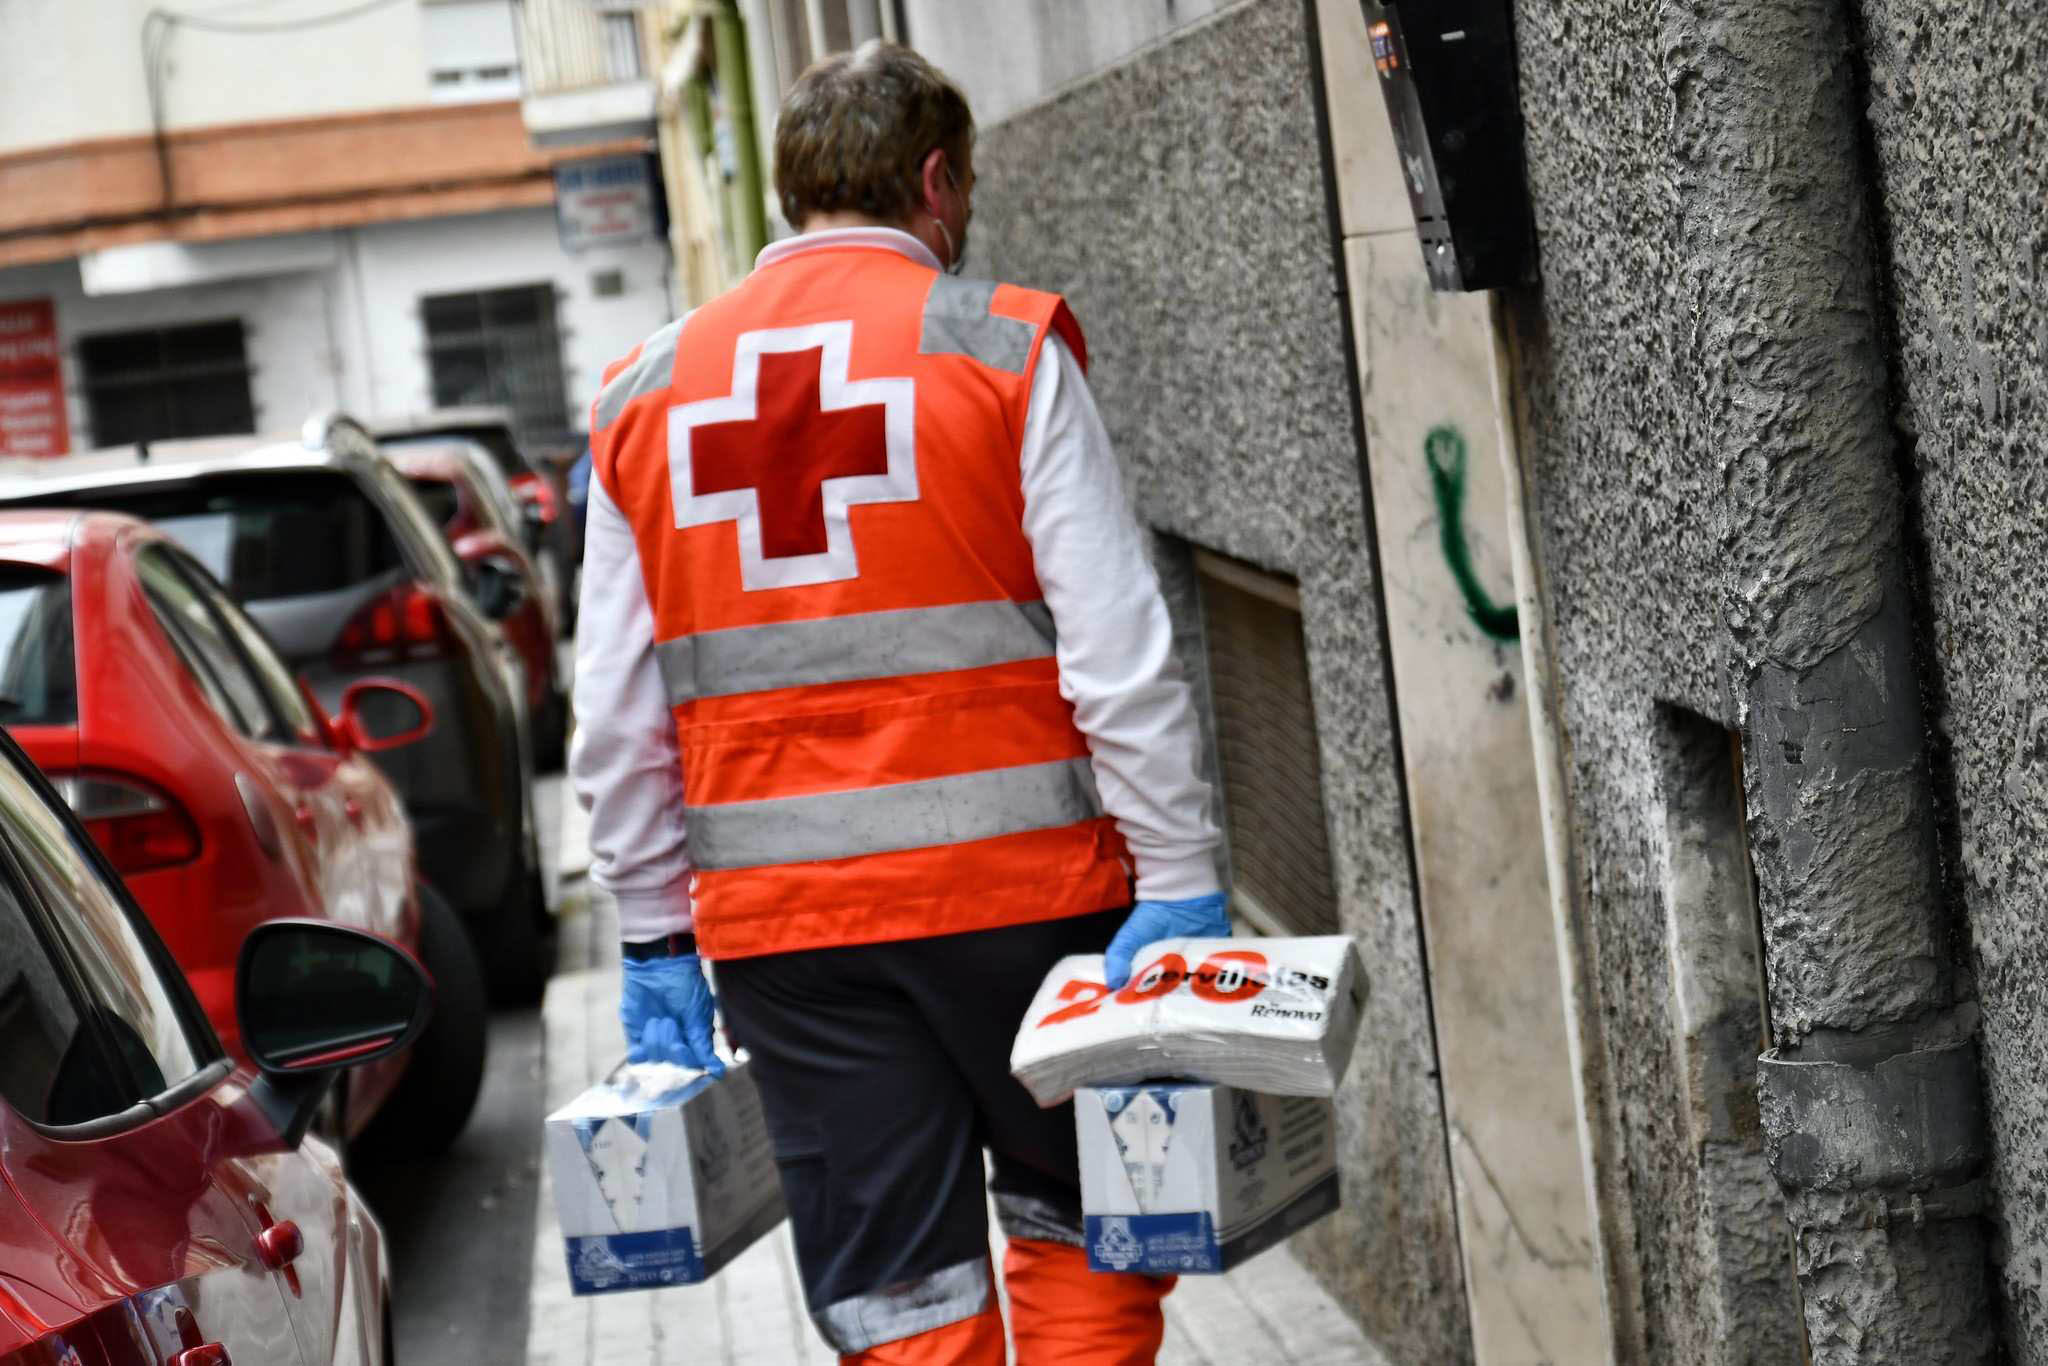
(821, 470)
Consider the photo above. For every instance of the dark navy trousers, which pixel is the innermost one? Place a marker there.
(884, 1072)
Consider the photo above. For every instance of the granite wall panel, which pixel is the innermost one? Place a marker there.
(1178, 200)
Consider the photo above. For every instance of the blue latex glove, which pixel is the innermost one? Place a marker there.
(666, 1010)
(1199, 917)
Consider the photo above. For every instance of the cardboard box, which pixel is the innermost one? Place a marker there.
(662, 1175)
(1181, 1177)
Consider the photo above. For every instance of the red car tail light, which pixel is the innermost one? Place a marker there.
(406, 623)
(539, 492)
(136, 826)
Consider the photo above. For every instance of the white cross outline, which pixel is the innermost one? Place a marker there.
(835, 393)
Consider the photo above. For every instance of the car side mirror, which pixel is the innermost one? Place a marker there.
(382, 713)
(500, 587)
(313, 997)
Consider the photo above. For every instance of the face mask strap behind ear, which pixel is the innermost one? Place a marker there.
(956, 260)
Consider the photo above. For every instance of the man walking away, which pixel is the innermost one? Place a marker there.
(877, 708)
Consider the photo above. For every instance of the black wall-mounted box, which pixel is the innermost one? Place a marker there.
(1447, 69)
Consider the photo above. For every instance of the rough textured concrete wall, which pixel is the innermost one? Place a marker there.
(1958, 102)
(1644, 316)
(1718, 994)
(1178, 200)
(1868, 1100)
(1621, 497)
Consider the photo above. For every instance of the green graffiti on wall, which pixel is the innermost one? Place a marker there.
(1444, 450)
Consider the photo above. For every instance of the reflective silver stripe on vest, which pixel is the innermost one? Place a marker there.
(957, 322)
(651, 371)
(906, 1309)
(794, 654)
(881, 820)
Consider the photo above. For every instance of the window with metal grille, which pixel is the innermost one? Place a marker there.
(500, 346)
(164, 382)
(1266, 743)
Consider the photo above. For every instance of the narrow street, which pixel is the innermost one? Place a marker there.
(461, 1225)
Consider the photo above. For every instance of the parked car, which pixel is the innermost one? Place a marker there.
(465, 492)
(328, 548)
(158, 1202)
(541, 485)
(221, 791)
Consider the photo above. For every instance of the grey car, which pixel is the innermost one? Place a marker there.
(328, 547)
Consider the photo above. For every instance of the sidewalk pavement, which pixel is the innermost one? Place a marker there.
(752, 1314)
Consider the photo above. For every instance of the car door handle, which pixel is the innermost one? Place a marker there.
(280, 1244)
(205, 1354)
(277, 1246)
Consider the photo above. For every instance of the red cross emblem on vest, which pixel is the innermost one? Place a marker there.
(788, 452)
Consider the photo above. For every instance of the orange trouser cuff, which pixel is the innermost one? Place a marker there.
(970, 1342)
(1063, 1314)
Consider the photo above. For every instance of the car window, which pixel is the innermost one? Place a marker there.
(279, 684)
(121, 977)
(38, 660)
(53, 1068)
(196, 670)
(438, 497)
(279, 534)
(185, 617)
(497, 505)
(412, 523)
(485, 476)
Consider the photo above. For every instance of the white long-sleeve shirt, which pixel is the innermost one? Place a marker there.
(1114, 652)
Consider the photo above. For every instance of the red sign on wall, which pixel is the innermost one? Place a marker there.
(32, 418)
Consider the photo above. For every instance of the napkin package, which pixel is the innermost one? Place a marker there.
(1180, 1177)
(1272, 1015)
(662, 1175)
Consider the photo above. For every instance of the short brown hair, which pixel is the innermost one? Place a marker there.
(855, 128)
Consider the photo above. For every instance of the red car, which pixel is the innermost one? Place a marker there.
(459, 485)
(540, 483)
(220, 791)
(160, 1206)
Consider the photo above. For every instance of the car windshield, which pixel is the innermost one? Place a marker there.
(269, 536)
(38, 665)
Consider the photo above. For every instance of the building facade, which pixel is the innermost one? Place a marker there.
(1639, 664)
(226, 220)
